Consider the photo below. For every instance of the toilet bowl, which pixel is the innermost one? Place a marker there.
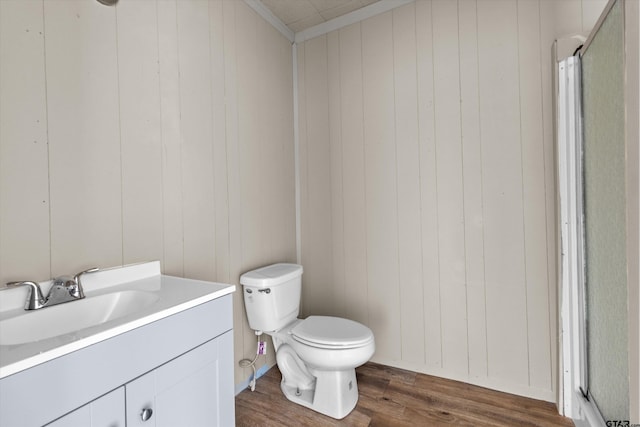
(329, 343)
(317, 356)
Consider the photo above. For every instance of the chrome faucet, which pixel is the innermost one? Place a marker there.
(63, 289)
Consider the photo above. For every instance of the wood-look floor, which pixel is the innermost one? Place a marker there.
(394, 397)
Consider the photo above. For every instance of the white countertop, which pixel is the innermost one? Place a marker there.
(174, 294)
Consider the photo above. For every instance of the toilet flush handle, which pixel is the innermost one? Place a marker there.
(266, 291)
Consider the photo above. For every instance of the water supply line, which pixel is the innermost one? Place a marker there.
(246, 363)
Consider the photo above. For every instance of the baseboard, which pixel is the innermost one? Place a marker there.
(547, 395)
(245, 384)
(499, 385)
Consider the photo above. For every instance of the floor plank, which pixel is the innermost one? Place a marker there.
(391, 397)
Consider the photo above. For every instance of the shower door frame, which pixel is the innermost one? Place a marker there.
(574, 385)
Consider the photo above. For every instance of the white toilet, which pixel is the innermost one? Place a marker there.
(317, 356)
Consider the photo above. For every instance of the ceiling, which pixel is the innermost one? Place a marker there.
(299, 15)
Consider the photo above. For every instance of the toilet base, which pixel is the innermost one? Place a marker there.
(335, 393)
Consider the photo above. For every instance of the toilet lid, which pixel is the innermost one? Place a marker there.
(326, 331)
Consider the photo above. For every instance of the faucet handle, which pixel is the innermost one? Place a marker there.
(76, 278)
(35, 299)
(78, 291)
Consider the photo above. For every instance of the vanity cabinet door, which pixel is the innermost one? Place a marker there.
(195, 389)
(106, 411)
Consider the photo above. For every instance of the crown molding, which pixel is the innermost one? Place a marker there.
(348, 19)
(262, 10)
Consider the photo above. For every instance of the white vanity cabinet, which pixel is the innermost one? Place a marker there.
(179, 369)
(183, 392)
(186, 391)
(106, 411)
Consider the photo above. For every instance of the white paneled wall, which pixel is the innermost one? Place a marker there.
(164, 130)
(24, 209)
(151, 130)
(428, 191)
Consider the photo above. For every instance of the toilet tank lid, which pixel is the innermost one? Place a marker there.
(271, 275)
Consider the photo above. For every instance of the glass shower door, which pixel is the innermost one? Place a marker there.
(604, 217)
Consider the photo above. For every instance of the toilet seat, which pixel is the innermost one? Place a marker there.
(331, 332)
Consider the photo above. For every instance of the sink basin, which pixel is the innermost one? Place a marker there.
(36, 325)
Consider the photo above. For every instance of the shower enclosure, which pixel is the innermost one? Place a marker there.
(605, 279)
(593, 147)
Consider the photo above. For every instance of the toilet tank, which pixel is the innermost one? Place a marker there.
(272, 295)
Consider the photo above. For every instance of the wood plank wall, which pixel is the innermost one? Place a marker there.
(151, 130)
(428, 189)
